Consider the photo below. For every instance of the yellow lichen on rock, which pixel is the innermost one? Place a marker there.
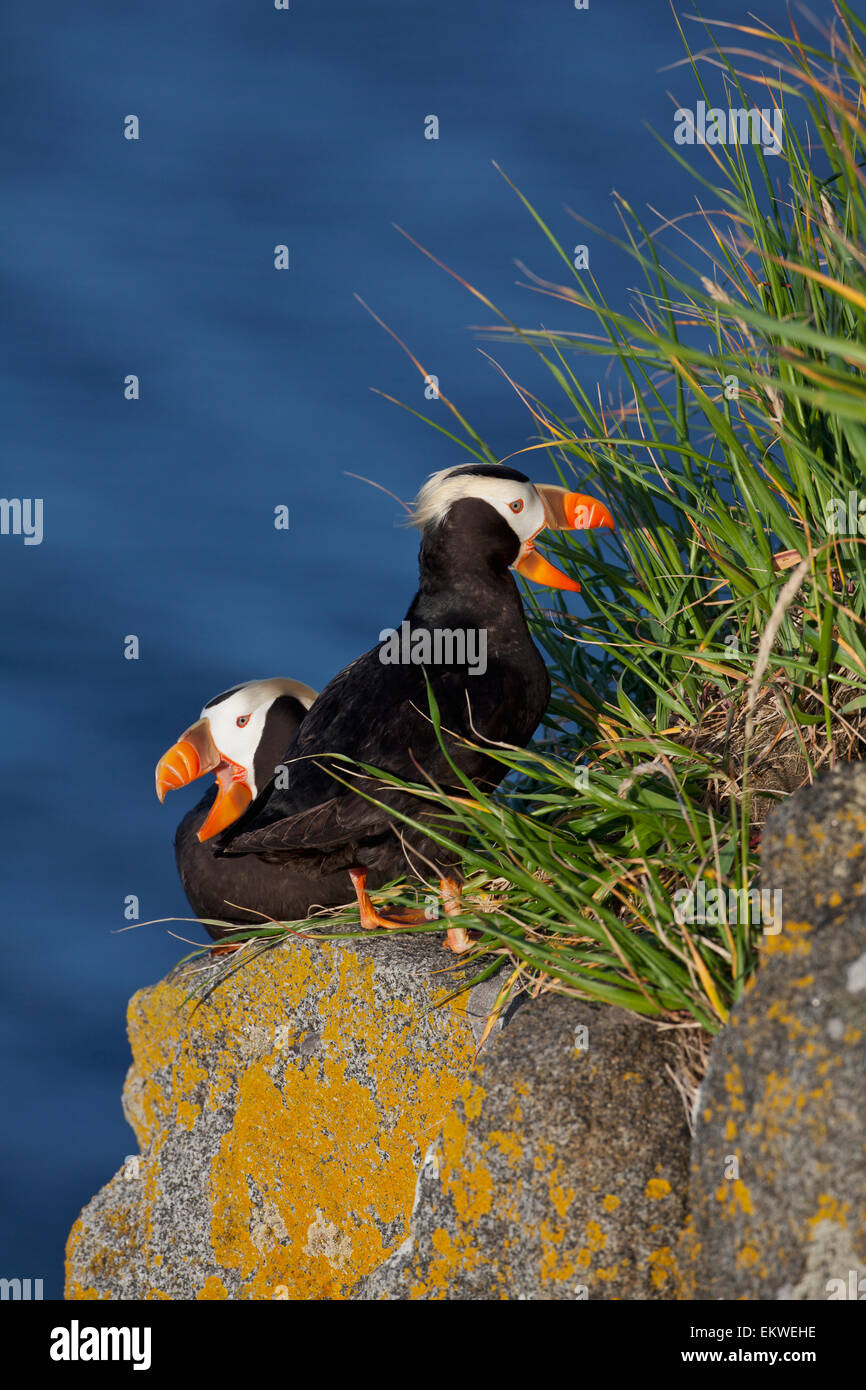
(281, 1122)
(538, 1189)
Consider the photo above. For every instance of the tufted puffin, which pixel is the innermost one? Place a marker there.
(477, 523)
(240, 736)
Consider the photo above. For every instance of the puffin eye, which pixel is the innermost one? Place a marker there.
(516, 506)
(242, 719)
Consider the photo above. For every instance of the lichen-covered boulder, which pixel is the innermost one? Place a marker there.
(778, 1190)
(561, 1172)
(281, 1123)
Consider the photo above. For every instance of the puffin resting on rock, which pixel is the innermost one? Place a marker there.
(241, 737)
(321, 828)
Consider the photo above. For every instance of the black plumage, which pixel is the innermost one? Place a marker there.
(221, 888)
(377, 713)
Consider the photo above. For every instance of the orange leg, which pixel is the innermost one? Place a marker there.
(457, 939)
(371, 918)
(227, 948)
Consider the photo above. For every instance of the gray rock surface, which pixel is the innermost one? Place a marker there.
(281, 1123)
(561, 1174)
(813, 848)
(778, 1192)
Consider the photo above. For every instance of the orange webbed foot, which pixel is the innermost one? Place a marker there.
(372, 919)
(457, 939)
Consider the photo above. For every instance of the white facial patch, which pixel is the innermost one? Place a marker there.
(250, 703)
(518, 503)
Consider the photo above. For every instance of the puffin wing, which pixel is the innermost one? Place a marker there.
(372, 714)
(339, 821)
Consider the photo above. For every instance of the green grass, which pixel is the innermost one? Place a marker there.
(722, 661)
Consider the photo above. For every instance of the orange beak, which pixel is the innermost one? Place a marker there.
(194, 754)
(233, 798)
(565, 511)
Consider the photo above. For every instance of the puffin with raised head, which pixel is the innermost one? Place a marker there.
(477, 523)
(240, 736)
